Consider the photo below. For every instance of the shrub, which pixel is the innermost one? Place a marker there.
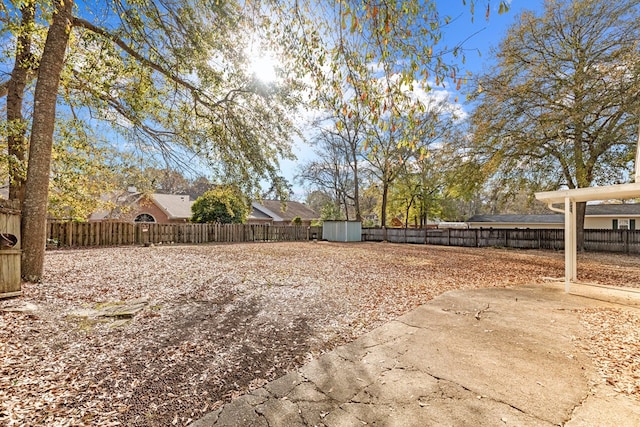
(223, 204)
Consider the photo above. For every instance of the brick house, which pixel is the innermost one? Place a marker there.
(139, 207)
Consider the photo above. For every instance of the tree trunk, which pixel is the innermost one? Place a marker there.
(356, 189)
(406, 217)
(34, 211)
(383, 209)
(345, 203)
(16, 142)
(581, 208)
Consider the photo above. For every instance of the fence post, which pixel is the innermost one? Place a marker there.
(69, 230)
(626, 241)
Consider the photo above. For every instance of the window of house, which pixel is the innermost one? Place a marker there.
(144, 218)
(624, 224)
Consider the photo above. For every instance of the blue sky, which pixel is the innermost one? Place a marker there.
(482, 34)
(479, 35)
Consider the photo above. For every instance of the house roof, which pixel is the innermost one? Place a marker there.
(258, 214)
(117, 199)
(527, 219)
(614, 209)
(626, 209)
(275, 210)
(176, 206)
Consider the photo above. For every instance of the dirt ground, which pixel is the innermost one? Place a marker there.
(207, 323)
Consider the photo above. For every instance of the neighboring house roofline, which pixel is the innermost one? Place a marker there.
(529, 219)
(627, 209)
(172, 206)
(266, 211)
(614, 214)
(592, 211)
(281, 212)
(166, 203)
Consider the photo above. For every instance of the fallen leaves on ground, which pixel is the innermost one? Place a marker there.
(614, 343)
(219, 320)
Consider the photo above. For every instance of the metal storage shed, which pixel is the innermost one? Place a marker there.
(342, 231)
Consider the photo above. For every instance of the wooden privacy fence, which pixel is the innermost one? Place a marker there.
(625, 241)
(75, 234)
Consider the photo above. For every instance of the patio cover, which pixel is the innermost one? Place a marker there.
(570, 198)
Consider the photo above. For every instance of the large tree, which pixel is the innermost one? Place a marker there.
(561, 106)
(170, 76)
(331, 172)
(418, 194)
(34, 208)
(407, 128)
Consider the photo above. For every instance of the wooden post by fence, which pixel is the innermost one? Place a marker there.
(626, 241)
(10, 253)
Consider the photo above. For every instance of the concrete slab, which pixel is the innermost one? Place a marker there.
(617, 295)
(505, 353)
(489, 357)
(621, 411)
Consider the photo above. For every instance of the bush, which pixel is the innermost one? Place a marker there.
(223, 204)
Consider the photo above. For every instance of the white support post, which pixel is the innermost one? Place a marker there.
(569, 243)
(574, 245)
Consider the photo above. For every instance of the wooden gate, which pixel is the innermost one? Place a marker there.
(9, 248)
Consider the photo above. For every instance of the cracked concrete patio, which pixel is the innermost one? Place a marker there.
(488, 357)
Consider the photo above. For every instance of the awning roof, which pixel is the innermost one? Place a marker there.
(619, 191)
(570, 198)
